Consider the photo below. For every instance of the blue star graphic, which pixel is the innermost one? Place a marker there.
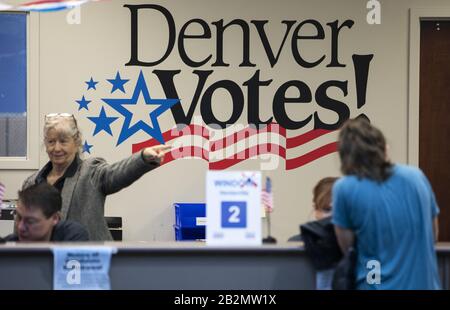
(91, 84)
(117, 83)
(102, 122)
(141, 88)
(83, 104)
(87, 147)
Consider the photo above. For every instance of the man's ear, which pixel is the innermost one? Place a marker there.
(56, 218)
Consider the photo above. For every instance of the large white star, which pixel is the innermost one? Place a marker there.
(141, 111)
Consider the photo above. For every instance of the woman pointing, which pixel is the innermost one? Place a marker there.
(84, 184)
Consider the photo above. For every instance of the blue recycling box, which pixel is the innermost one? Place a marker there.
(188, 216)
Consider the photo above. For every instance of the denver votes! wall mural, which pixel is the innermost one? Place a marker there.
(198, 131)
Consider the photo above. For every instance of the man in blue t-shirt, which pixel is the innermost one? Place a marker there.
(387, 212)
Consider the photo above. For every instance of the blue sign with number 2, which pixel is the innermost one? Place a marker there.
(234, 214)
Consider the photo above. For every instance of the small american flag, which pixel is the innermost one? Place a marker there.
(267, 196)
(2, 193)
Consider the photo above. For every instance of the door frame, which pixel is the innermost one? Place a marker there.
(416, 16)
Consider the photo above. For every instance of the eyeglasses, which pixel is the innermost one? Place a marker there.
(54, 115)
(58, 115)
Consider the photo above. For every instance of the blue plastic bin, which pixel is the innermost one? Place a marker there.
(185, 234)
(186, 215)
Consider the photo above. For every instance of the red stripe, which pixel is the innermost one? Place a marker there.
(198, 152)
(200, 130)
(311, 156)
(246, 133)
(43, 2)
(304, 138)
(188, 151)
(169, 135)
(248, 153)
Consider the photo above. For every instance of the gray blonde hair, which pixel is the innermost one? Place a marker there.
(66, 125)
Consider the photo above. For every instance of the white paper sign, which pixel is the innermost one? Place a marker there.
(82, 268)
(200, 221)
(233, 208)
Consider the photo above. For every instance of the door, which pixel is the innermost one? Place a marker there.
(434, 111)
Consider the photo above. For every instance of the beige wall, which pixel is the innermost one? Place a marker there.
(100, 45)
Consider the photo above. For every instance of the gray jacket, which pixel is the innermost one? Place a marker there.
(84, 194)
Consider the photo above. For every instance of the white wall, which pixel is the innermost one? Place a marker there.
(100, 45)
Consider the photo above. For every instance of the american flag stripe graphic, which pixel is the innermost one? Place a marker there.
(45, 5)
(199, 141)
(267, 196)
(267, 201)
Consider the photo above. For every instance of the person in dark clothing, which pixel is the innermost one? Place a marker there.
(38, 217)
(318, 236)
(63, 231)
(321, 202)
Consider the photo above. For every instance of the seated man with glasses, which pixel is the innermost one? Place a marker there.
(38, 217)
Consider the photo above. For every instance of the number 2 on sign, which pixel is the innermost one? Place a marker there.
(234, 214)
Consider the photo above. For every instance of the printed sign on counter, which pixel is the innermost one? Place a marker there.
(82, 268)
(233, 208)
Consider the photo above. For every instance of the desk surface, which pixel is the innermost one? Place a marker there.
(180, 265)
(173, 266)
(169, 246)
(152, 246)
